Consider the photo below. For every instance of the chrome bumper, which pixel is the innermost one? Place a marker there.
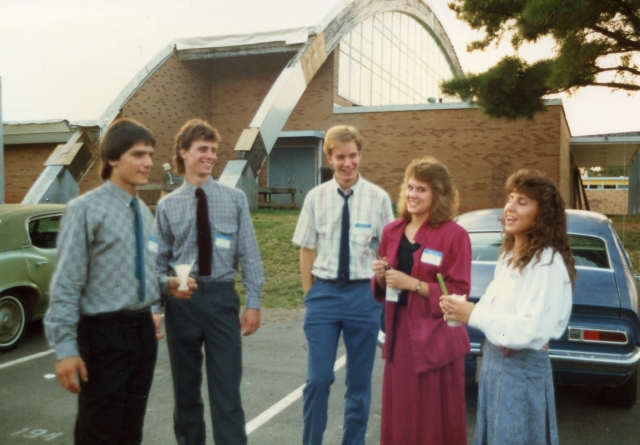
(595, 360)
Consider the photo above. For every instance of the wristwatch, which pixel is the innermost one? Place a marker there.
(418, 286)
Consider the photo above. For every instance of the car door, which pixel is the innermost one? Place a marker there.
(41, 255)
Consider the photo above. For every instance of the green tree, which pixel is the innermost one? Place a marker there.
(592, 37)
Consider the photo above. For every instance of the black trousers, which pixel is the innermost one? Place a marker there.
(120, 351)
(209, 318)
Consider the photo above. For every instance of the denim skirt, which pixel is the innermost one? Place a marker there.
(516, 399)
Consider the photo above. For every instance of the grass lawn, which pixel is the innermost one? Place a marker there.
(628, 228)
(280, 258)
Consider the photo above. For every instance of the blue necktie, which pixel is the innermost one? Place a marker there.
(139, 248)
(343, 262)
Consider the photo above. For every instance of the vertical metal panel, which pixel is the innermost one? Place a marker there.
(2, 197)
(634, 187)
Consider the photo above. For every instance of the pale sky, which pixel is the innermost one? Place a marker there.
(71, 58)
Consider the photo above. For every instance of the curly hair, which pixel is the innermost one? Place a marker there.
(445, 196)
(549, 228)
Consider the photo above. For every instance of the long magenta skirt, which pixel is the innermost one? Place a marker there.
(421, 409)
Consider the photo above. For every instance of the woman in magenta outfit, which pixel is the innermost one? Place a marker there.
(423, 394)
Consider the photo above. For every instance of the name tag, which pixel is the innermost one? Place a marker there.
(431, 257)
(362, 228)
(152, 245)
(223, 241)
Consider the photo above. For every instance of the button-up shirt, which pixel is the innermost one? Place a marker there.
(320, 222)
(231, 231)
(95, 267)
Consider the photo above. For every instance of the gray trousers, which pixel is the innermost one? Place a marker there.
(209, 318)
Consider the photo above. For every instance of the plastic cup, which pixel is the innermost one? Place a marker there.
(182, 270)
(455, 324)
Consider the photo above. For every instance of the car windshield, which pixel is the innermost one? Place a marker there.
(587, 251)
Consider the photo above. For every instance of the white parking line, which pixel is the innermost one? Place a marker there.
(271, 412)
(252, 425)
(26, 359)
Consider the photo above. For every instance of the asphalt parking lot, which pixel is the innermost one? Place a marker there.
(34, 409)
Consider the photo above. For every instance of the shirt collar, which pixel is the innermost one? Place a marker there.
(354, 188)
(119, 192)
(208, 186)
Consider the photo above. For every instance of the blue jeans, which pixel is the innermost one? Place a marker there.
(330, 310)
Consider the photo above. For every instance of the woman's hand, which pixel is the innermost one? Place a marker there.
(456, 308)
(399, 280)
(379, 268)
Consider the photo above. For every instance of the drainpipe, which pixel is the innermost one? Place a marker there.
(1, 149)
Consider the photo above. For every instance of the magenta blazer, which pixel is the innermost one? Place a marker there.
(433, 343)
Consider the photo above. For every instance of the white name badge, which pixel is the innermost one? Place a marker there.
(362, 228)
(392, 294)
(152, 245)
(431, 257)
(223, 241)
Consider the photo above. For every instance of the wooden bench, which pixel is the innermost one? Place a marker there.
(268, 192)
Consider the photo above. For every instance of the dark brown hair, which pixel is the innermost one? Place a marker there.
(445, 195)
(193, 130)
(340, 134)
(549, 227)
(121, 135)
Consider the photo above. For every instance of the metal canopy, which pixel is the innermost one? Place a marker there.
(604, 151)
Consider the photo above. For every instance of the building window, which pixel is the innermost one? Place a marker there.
(392, 59)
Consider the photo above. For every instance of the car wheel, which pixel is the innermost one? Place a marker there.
(623, 396)
(12, 322)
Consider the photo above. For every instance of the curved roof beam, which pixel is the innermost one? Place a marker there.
(256, 142)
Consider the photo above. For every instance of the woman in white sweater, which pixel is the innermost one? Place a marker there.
(527, 303)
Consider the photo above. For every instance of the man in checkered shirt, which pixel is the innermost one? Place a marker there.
(337, 291)
(100, 320)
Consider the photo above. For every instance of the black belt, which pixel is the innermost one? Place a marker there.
(120, 315)
(339, 283)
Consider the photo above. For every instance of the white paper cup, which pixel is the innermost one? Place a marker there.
(182, 270)
(455, 324)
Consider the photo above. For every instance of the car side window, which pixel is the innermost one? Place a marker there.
(589, 252)
(44, 231)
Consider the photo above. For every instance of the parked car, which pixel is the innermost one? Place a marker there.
(600, 346)
(27, 255)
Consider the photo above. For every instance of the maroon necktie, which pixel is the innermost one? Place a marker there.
(204, 234)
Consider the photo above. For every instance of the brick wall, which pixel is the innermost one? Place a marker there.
(22, 167)
(609, 202)
(480, 152)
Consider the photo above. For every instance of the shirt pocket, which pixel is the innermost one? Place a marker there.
(225, 236)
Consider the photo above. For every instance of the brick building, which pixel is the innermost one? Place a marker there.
(273, 94)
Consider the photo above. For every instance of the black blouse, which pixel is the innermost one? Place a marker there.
(405, 263)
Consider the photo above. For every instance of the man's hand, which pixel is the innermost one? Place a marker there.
(174, 282)
(68, 369)
(250, 321)
(157, 322)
